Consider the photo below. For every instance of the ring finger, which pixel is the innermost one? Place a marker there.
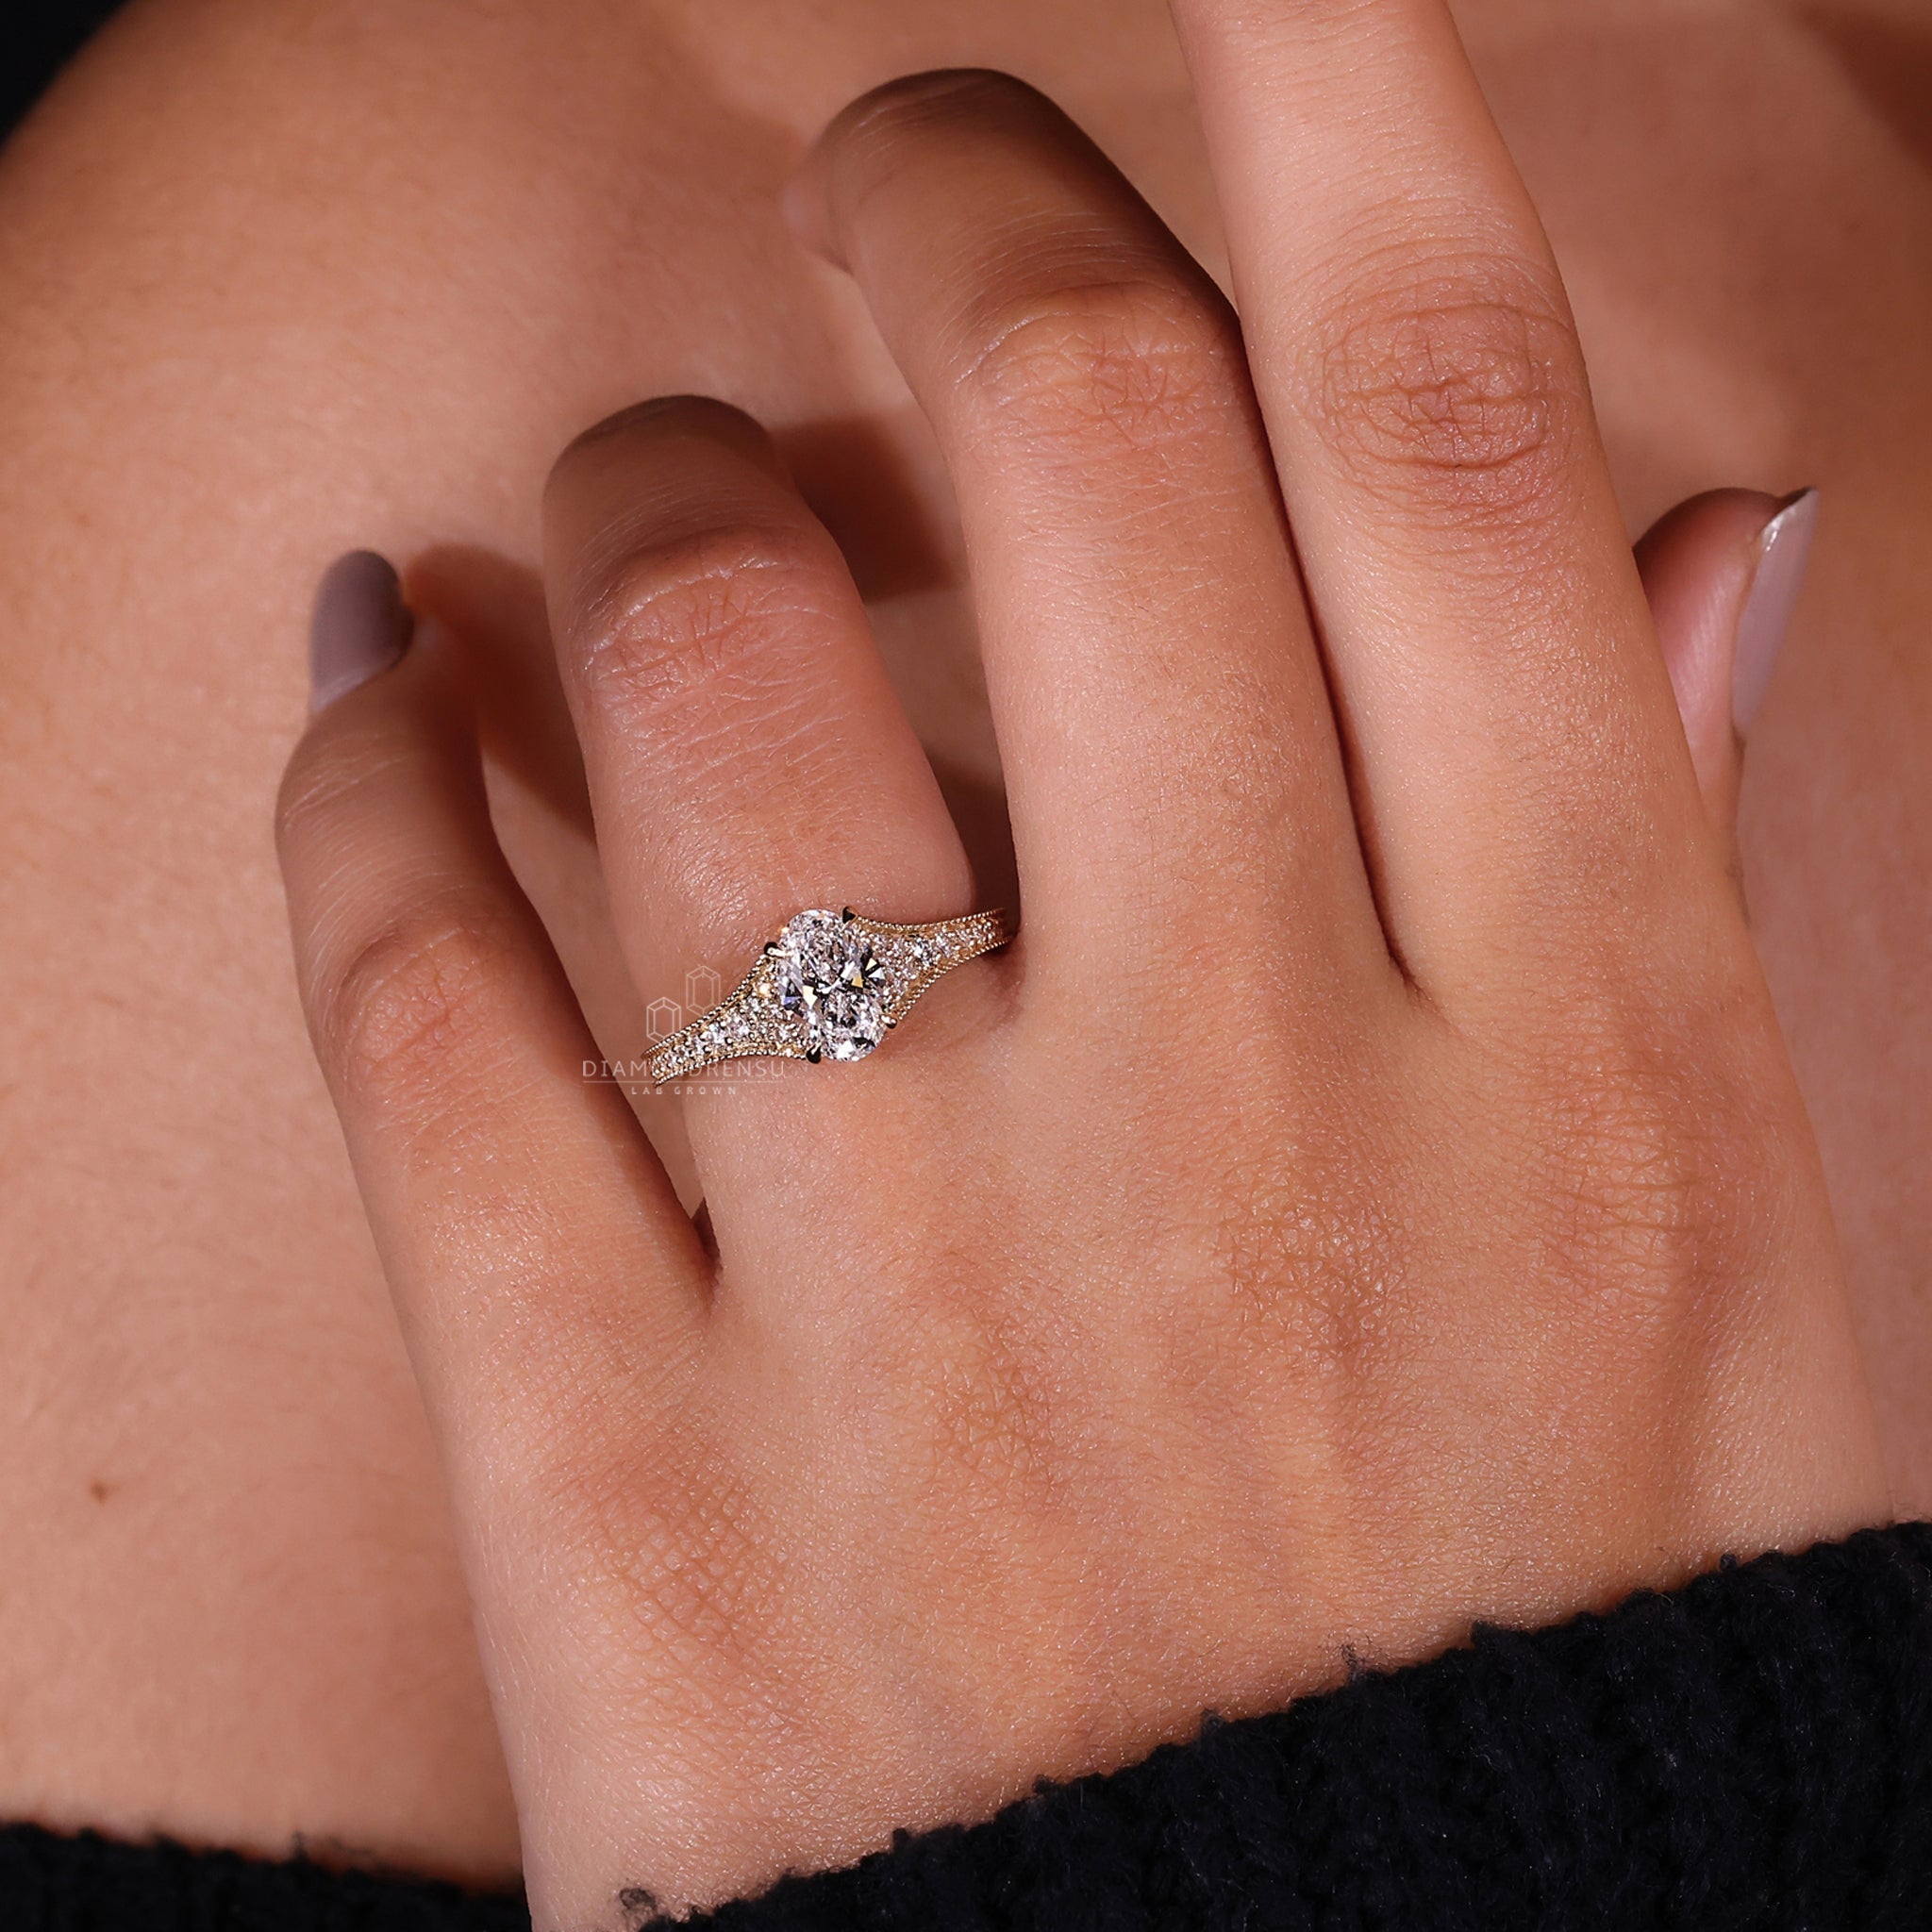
(745, 753)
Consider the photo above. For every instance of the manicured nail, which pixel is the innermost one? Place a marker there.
(1782, 554)
(358, 627)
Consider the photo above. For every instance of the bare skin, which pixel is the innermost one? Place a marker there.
(282, 280)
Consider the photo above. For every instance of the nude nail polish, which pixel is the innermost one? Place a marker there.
(359, 625)
(1783, 551)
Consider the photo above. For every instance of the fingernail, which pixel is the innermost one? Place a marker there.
(358, 627)
(1782, 552)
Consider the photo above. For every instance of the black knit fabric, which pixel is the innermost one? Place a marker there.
(90, 1884)
(1753, 1751)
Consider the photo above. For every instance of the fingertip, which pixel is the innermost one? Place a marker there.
(865, 137)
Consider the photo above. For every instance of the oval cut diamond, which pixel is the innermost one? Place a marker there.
(827, 976)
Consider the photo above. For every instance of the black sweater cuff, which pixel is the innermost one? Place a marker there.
(1753, 1750)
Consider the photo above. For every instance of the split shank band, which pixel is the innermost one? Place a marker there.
(830, 986)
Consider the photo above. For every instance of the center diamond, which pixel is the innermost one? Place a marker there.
(827, 976)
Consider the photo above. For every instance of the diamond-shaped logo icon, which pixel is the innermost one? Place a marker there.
(662, 1017)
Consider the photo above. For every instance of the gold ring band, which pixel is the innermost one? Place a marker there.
(830, 986)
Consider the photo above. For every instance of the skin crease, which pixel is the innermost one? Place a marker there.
(428, 277)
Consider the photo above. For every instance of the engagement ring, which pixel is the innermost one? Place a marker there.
(830, 986)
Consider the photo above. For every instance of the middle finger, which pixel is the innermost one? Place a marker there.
(1171, 766)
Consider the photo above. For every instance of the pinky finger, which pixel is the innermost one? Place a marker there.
(543, 1273)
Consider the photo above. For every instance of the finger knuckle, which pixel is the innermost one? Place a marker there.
(417, 1008)
(1303, 1249)
(967, 1419)
(326, 776)
(674, 1557)
(1649, 1173)
(1451, 385)
(1132, 361)
(699, 612)
(983, 1420)
(692, 1570)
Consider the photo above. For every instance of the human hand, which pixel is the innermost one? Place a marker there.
(1371, 1195)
